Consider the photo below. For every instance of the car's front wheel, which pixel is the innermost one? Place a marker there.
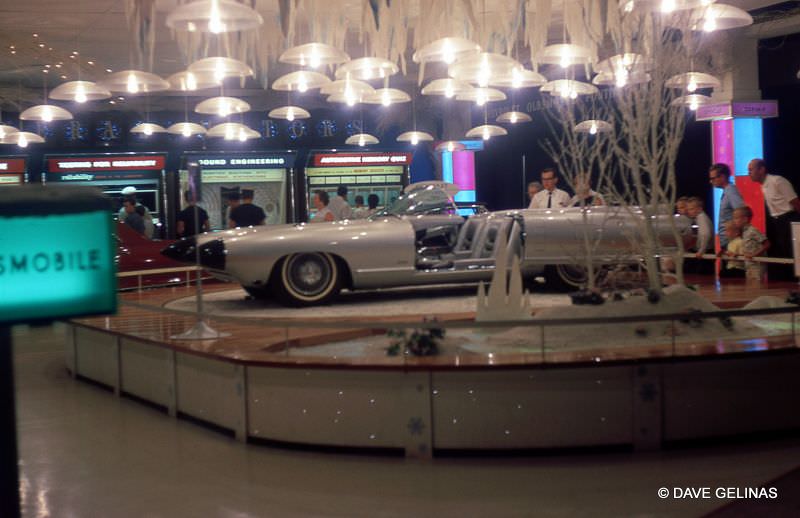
(307, 279)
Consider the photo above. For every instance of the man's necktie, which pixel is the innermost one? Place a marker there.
(549, 199)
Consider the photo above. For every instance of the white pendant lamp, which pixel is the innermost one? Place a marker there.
(447, 87)
(367, 69)
(214, 16)
(222, 106)
(45, 113)
(480, 68)
(518, 78)
(486, 131)
(148, 128)
(300, 81)
(450, 146)
(289, 113)
(670, 6)
(232, 131)
(593, 127)
(7, 131)
(621, 80)
(691, 81)
(314, 55)
(361, 139)
(568, 88)
(350, 91)
(387, 97)
(513, 117)
(187, 81)
(692, 101)
(133, 82)
(186, 129)
(415, 137)
(446, 50)
(481, 96)
(23, 138)
(79, 91)
(564, 54)
(221, 68)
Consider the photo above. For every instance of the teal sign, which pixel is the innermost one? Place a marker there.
(58, 264)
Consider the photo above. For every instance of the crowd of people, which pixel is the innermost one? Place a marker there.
(338, 208)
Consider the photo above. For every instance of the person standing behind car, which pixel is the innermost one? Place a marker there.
(187, 217)
(551, 197)
(133, 218)
(372, 204)
(247, 214)
(719, 176)
(149, 227)
(339, 206)
(321, 203)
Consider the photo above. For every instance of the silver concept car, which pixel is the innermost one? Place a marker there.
(420, 239)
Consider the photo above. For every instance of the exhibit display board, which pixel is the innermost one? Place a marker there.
(381, 173)
(267, 175)
(13, 170)
(112, 173)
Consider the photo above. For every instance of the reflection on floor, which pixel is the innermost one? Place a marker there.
(85, 453)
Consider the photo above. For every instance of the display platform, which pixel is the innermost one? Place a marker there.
(313, 379)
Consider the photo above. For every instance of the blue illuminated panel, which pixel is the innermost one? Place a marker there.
(748, 143)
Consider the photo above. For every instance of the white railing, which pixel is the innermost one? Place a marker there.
(139, 274)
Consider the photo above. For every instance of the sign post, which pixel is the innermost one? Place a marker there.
(56, 261)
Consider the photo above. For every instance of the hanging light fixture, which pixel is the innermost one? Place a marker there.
(148, 128)
(232, 131)
(513, 117)
(314, 55)
(446, 50)
(448, 87)
(518, 78)
(22, 138)
(387, 97)
(718, 17)
(692, 81)
(481, 96)
(415, 137)
(670, 6)
(692, 101)
(187, 81)
(221, 68)
(486, 131)
(480, 68)
(300, 81)
(289, 113)
(593, 127)
(7, 131)
(133, 82)
(450, 146)
(361, 139)
(79, 91)
(564, 54)
(45, 113)
(186, 129)
(222, 106)
(568, 88)
(367, 69)
(610, 79)
(349, 91)
(214, 16)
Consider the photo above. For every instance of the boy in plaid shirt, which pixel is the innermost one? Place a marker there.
(754, 243)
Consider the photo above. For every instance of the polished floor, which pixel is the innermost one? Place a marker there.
(86, 453)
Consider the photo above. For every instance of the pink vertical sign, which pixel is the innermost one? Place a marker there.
(722, 142)
(464, 170)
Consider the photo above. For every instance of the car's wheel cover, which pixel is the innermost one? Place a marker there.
(571, 274)
(309, 276)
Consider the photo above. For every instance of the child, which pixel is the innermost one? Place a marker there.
(754, 243)
(680, 205)
(705, 238)
(732, 268)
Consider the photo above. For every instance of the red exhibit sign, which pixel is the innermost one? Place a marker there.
(106, 163)
(351, 159)
(12, 165)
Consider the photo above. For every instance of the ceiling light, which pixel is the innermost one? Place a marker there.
(186, 129)
(518, 78)
(481, 68)
(593, 127)
(568, 88)
(348, 87)
(221, 68)
(367, 68)
(7, 131)
(486, 131)
(187, 81)
(79, 91)
(361, 139)
(414, 137)
(214, 16)
(513, 117)
(564, 54)
(446, 50)
(300, 81)
(482, 96)
(148, 128)
(387, 97)
(450, 146)
(23, 138)
(313, 55)
(631, 78)
(45, 113)
(232, 131)
(719, 17)
(691, 81)
(692, 101)
(447, 87)
(289, 113)
(222, 106)
(133, 81)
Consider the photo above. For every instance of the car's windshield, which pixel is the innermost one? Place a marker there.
(423, 201)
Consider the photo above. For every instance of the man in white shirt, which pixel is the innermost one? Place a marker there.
(783, 207)
(550, 197)
(339, 206)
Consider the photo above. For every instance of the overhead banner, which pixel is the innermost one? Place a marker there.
(12, 170)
